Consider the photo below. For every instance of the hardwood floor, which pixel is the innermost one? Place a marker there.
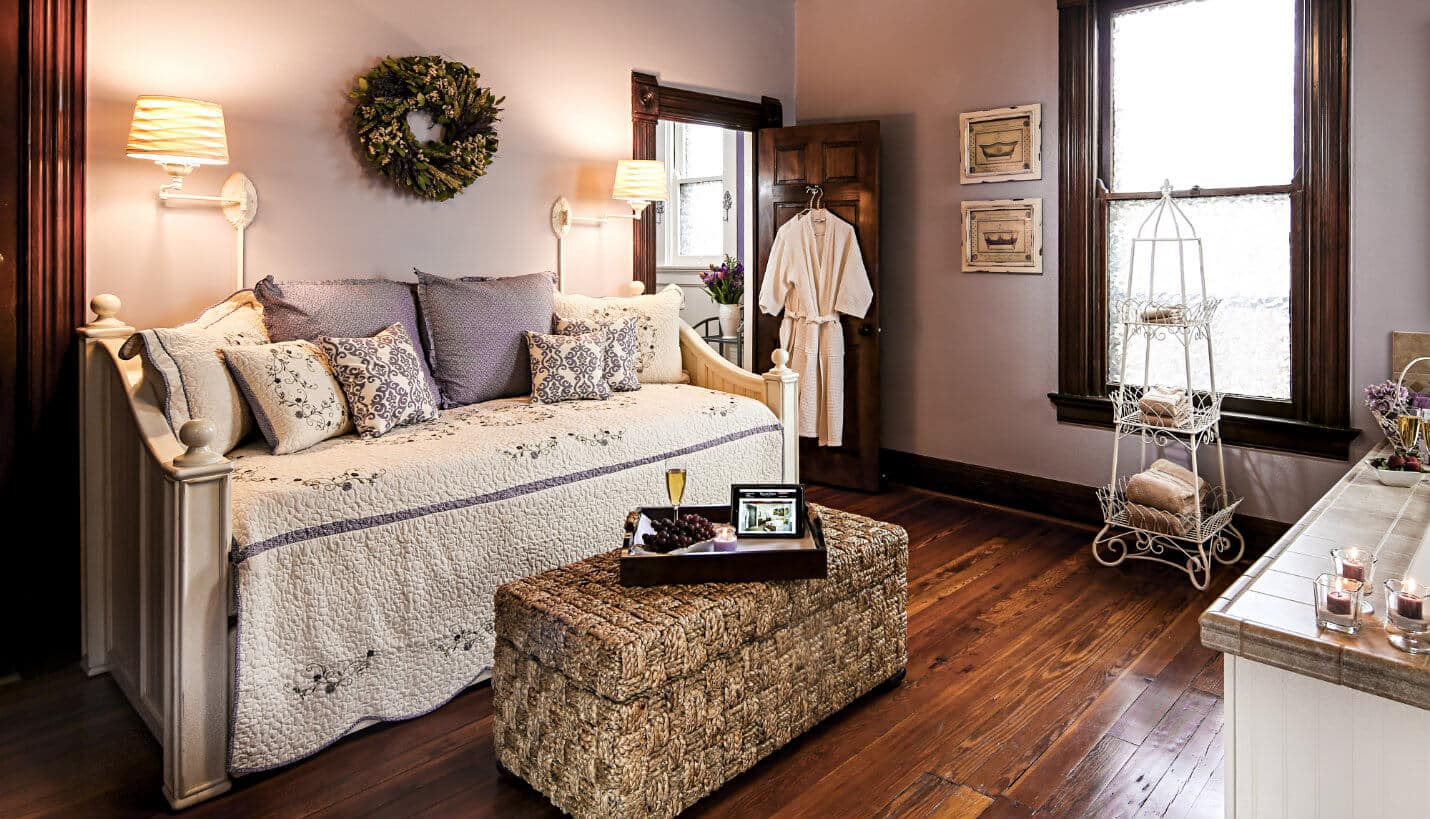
(1039, 684)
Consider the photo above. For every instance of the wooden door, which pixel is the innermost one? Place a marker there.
(843, 159)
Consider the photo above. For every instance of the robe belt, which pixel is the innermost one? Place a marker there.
(827, 319)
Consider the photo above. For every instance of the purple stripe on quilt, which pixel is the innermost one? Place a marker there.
(355, 524)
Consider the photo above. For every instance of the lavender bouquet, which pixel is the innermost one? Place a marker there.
(1387, 401)
(725, 283)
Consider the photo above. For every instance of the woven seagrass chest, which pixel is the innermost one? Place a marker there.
(636, 702)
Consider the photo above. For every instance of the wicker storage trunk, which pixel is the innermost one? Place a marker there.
(636, 702)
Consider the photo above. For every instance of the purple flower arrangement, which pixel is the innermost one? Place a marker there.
(1386, 397)
(725, 282)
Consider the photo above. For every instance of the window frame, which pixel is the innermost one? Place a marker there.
(1316, 419)
(668, 217)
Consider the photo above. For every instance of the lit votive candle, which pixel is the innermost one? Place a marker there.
(725, 540)
(1410, 600)
(1339, 602)
(1356, 563)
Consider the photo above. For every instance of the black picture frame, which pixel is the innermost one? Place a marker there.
(745, 497)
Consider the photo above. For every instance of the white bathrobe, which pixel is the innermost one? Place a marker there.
(815, 273)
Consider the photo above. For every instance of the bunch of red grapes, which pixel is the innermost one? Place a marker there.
(671, 534)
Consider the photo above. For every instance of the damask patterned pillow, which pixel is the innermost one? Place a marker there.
(291, 389)
(657, 327)
(620, 351)
(382, 379)
(568, 368)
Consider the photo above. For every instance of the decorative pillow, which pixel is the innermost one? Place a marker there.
(342, 308)
(185, 365)
(566, 368)
(478, 333)
(550, 274)
(620, 351)
(291, 389)
(657, 327)
(382, 379)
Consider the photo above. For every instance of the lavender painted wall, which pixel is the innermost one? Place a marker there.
(281, 71)
(969, 359)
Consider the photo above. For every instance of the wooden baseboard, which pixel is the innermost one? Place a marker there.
(1030, 493)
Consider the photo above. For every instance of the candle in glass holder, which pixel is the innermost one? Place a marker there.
(725, 539)
(1339, 602)
(1353, 569)
(1410, 600)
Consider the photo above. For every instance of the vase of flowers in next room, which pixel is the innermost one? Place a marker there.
(725, 284)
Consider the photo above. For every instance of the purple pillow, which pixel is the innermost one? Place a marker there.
(477, 333)
(341, 308)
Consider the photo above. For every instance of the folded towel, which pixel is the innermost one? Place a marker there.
(1168, 402)
(1155, 520)
(1182, 474)
(1160, 491)
(1169, 314)
(1152, 420)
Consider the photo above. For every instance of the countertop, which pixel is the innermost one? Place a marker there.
(1267, 615)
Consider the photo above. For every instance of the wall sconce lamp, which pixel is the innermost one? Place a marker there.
(179, 135)
(638, 181)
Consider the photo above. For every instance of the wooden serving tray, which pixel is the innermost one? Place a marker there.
(755, 559)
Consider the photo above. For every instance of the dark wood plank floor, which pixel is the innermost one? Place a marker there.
(1039, 684)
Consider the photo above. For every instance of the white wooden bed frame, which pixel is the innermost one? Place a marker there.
(156, 530)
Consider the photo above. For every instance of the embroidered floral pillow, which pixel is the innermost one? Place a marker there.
(382, 379)
(621, 352)
(295, 399)
(568, 368)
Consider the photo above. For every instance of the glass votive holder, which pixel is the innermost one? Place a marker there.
(1357, 563)
(1407, 604)
(1338, 603)
(725, 540)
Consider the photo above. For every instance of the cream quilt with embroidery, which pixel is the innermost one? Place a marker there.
(364, 569)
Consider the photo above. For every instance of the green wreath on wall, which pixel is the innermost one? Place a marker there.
(450, 93)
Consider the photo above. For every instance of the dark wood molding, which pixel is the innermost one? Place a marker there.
(1237, 429)
(42, 286)
(1030, 493)
(652, 102)
(1317, 418)
(1081, 344)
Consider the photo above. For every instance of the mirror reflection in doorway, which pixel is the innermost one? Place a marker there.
(709, 217)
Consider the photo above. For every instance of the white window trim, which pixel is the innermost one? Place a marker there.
(668, 227)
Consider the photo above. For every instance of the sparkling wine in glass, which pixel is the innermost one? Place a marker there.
(675, 486)
(1409, 428)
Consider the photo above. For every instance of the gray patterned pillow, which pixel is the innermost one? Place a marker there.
(382, 379)
(291, 389)
(567, 368)
(621, 352)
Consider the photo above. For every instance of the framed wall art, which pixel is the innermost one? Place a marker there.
(1002, 145)
(1003, 236)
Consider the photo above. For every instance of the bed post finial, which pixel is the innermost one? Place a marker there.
(634, 288)
(780, 359)
(197, 435)
(105, 307)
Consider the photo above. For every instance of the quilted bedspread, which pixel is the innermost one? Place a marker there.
(364, 569)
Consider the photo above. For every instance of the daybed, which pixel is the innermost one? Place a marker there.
(255, 608)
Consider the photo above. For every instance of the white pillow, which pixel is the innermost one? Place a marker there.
(185, 365)
(290, 387)
(657, 327)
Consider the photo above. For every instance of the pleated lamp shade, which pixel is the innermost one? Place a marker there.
(178, 131)
(640, 180)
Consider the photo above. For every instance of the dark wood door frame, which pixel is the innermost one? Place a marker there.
(42, 285)
(651, 102)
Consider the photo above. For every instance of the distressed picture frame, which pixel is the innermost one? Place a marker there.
(1002, 144)
(1003, 236)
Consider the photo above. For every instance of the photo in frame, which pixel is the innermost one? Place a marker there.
(767, 510)
(1001, 145)
(1003, 236)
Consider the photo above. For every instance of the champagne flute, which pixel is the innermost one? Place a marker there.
(1408, 426)
(675, 485)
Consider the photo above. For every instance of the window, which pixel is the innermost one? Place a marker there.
(696, 227)
(1215, 96)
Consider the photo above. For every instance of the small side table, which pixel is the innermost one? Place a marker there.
(719, 342)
